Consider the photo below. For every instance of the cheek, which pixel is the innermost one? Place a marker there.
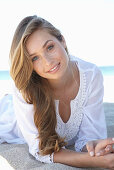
(63, 52)
(38, 68)
(64, 56)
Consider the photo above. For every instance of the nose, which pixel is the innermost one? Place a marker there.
(47, 60)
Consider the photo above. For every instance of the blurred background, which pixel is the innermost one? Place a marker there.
(87, 25)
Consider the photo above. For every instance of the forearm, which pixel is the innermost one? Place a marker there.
(77, 159)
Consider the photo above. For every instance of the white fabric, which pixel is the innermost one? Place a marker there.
(86, 122)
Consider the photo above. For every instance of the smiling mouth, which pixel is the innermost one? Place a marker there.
(54, 69)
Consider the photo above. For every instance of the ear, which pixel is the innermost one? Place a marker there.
(64, 42)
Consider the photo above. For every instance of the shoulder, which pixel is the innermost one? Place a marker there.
(83, 65)
(86, 67)
(19, 103)
(17, 96)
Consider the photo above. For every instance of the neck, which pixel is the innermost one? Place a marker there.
(64, 82)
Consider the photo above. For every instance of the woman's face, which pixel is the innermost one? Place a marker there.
(48, 54)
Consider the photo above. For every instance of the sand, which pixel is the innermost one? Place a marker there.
(17, 157)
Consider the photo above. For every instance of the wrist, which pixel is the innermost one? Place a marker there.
(79, 159)
(93, 161)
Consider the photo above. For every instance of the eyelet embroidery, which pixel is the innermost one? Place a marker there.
(70, 129)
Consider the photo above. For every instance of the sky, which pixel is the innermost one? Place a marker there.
(87, 25)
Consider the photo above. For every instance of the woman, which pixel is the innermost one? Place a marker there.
(57, 98)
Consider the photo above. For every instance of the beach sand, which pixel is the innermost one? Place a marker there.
(17, 157)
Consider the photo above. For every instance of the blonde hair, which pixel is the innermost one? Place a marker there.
(34, 88)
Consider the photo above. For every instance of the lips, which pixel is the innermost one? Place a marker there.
(54, 69)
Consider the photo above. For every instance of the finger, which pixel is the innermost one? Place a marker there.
(101, 153)
(102, 145)
(109, 149)
(90, 148)
(113, 148)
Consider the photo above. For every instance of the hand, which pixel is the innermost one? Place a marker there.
(108, 161)
(100, 147)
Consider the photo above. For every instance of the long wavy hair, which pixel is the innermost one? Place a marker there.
(35, 89)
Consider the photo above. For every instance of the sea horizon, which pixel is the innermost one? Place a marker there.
(107, 71)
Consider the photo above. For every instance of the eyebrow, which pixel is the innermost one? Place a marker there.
(43, 47)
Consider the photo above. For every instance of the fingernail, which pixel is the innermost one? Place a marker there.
(112, 139)
(107, 149)
(98, 154)
(91, 153)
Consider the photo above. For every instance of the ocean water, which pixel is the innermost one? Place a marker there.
(4, 75)
(107, 71)
(108, 75)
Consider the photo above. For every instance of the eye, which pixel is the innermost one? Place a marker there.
(34, 58)
(50, 47)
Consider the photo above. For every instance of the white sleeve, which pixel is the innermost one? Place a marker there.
(93, 125)
(25, 119)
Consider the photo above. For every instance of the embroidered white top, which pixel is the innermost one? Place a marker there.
(86, 122)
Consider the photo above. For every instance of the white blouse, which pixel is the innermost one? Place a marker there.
(86, 122)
